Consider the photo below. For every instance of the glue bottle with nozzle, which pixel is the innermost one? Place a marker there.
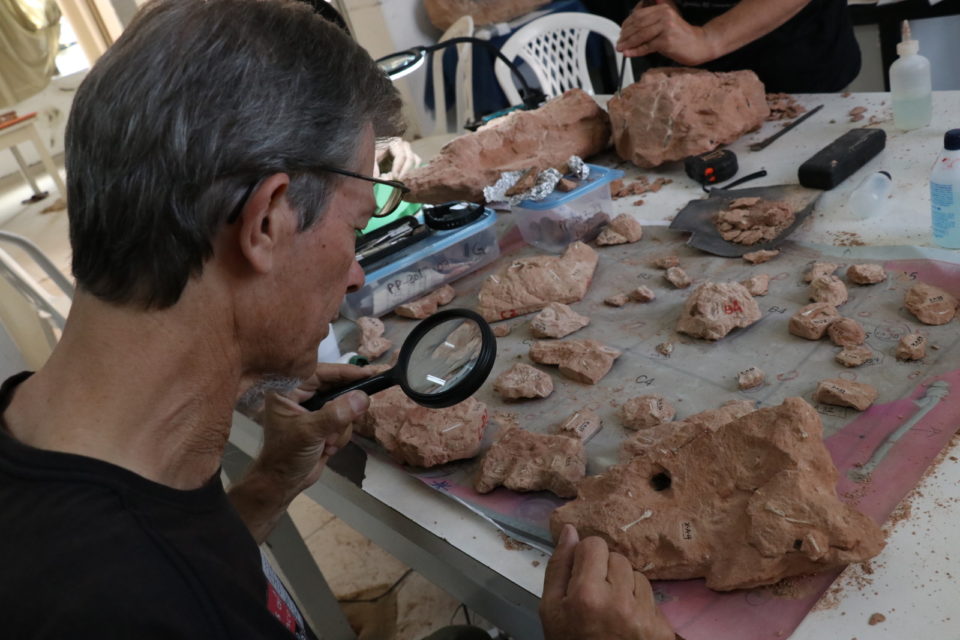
(870, 198)
(910, 85)
(945, 192)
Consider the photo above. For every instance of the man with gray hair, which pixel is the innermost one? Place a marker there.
(218, 161)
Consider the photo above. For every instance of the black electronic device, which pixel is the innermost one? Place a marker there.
(712, 167)
(838, 160)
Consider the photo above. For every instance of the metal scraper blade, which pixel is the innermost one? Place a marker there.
(697, 217)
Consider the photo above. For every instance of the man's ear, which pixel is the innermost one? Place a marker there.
(264, 222)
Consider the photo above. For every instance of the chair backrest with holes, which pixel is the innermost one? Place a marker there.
(555, 49)
(462, 28)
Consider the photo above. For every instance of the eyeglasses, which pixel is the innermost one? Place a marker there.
(389, 205)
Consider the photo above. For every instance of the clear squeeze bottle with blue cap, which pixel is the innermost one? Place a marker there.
(945, 192)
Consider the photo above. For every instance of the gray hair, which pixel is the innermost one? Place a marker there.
(195, 102)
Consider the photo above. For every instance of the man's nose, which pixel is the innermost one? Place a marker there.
(354, 277)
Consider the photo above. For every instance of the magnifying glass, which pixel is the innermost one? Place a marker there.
(443, 361)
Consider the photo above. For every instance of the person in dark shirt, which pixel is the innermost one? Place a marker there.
(796, 46)
(218, 166)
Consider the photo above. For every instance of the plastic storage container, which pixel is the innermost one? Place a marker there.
(945, 193)
(911, 93)
(440, 258)
(561, 218)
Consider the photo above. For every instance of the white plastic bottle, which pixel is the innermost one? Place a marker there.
(870, 198)
(910, 86)
(945, 192)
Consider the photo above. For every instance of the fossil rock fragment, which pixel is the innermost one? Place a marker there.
(665, 348)
(818, 270)
(585, 361)
(752, 220)
(620, 189)
(854, 356)
(616, 300)
(644, 412)
(757, 285)
(372, 343)
(714, 309)
(428, 304)
(746, 505)
(812, 321)
(845, 393)
(761, 256)
(665, 262)
(672, 113)
(523, 381)
(443, 13)
(783, 106)
(621, 230)
(846, 332)
(751, 378)
(931, 305)
(571, 124)
(526, 461)
(912, 346)
(501, 330)
(866, 273)
(670, 436)
(423, 437)
(677, 277)
(642, 294)
(557, 320)
(583, 424)
(530, 284)
(829, 289)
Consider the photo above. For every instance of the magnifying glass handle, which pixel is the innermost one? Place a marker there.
(368, 385)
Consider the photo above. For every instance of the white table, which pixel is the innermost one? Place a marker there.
(914, 583)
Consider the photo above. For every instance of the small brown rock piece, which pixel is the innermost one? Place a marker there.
(523, 381)
(501, 330)
(912, 346)
(665, 348)
(931, 305)
(812, 321)
(759, 257)
(819, 269)
(428, 304)
(854, 356)
(665, 262)
(557, 320)
(751, 378)
(585, 361)
(566, 185)
(757, 285)
(642, 294)
(529, 284)
(525, 461)
(876, 618)
(856, 114)
(846, 332)
(616, 300)
(751, 220)
(423, 437)
(621, 230)
(372, 343)
(829, 289)
(678, 277)
(583, 425)
(644, 412)
(715, 309)
(845, 393)
(866, 273)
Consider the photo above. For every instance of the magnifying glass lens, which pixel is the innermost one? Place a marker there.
(444, 356)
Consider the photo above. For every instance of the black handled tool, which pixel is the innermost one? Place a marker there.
(763, 144)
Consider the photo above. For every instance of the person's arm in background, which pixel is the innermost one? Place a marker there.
(296, 446)
(591, 593)
(659, 28)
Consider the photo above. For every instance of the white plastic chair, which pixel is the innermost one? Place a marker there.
(462, 28)
(33, 317)
(555, 49)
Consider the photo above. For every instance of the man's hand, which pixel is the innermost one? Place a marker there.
(395, 159)
(658, 28)
(590, 593)
(326, 377)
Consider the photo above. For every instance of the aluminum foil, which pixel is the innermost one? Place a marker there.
(578, 167)
(496, 194)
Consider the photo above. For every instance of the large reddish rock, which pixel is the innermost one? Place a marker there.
(530, 284)
(443, 13)
(569, 125)
(525, 461)
(672, 113)
(422, 437)
(714, 309)
(746, 505)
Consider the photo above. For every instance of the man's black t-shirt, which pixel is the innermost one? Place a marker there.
(91, 550)
(814, 51)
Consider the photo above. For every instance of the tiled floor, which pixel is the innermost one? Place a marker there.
(383, 598)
